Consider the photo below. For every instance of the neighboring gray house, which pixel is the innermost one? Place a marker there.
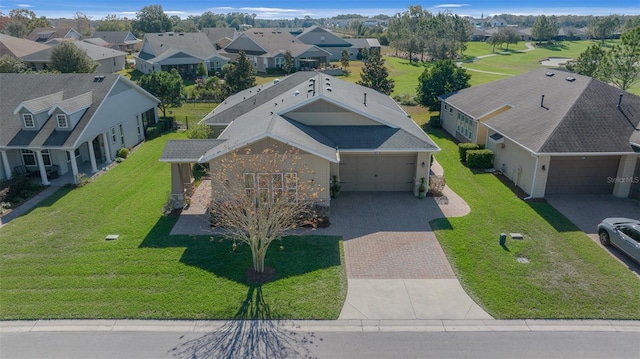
(265, 48)
(108, 60)
(60, 122)
(341, 129)
(118, 40)
(327, 40)
(553, 132)
(182, 51)
(44, 34)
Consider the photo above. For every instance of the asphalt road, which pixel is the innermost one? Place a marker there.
(229, 343)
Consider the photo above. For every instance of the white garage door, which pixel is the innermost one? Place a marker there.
(377, 172)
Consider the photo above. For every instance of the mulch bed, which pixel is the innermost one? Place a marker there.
(254, 277)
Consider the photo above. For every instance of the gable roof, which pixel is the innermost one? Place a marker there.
(268, 40)
(95, 52)
(43, 34)
(578, 114)
(215, 34)
(17, 47)
(39, 92)
(116, 37)
(273, 110)
(193, 43)
(316, 35)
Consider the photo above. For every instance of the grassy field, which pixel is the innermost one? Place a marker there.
(569, 275)
(56, 263)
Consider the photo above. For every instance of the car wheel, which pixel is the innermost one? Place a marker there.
(604, 238)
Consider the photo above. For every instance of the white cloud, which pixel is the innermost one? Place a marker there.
(450, 5)
(24, 5)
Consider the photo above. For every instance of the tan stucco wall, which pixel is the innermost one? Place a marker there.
(625, 176)
(315, 169)
(516, 163)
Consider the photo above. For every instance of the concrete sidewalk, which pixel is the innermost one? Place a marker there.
(28, 205)
(207, 326)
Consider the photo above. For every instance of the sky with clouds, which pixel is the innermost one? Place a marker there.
(266, 9)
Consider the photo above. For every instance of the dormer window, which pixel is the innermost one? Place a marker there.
(28, 120)
(62, 121)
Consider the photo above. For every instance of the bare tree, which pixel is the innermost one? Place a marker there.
(257, 197)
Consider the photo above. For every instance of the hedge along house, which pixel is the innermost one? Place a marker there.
(361, 136)
(553, 132)
(61, 121)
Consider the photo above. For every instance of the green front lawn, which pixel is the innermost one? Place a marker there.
(569, 275)
(56, 263)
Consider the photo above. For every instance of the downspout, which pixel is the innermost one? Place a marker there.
(535, 176)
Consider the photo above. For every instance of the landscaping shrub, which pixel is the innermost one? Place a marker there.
(123, 152)
(405, 99)
(479, 158)
(464, 147)
(16, 190)
(434, 122)
(152, 132)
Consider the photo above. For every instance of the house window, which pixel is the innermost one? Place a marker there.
(139, 125)
(279, 61)
(62, 120)
(28, 157)
(28, 120)
(113, 135)
(46, 157)
(464, 126)
(121, 134)
(272, 187)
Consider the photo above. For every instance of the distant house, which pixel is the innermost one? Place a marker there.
(553, 132)
(497, 22)
(361, 136)
(324, 39)
(182, 51)
(220, 36)
(118, 40)
(570, 33)
(16, 47)
(44, 34)
(265, 48)
(109, 60)
(53, 124)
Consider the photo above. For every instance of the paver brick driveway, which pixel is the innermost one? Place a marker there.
(387, 236)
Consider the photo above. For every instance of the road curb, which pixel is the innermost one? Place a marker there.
(353, 325)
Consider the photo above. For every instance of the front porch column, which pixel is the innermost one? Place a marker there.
(92, 157)
(43, 171)
(74, 165)
(5, 164)
(107, 152)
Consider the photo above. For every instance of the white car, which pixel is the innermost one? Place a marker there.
(622, 233)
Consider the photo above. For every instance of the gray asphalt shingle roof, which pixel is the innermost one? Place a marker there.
(272, 109)
(187, 150)
(193, 43)
(41, 91)
(580, 115)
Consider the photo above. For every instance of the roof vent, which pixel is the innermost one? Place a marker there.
(549, 74)
(98, 78)
(570, 79)
(296, 93)
(329, 89)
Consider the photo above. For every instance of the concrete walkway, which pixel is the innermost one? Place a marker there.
(28, 205)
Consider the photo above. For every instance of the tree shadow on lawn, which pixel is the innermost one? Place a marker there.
(292, 256)
(251, 334)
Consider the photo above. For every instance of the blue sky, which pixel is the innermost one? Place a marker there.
(265, 9)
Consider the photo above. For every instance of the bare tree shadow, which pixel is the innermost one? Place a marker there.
(252, 333)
